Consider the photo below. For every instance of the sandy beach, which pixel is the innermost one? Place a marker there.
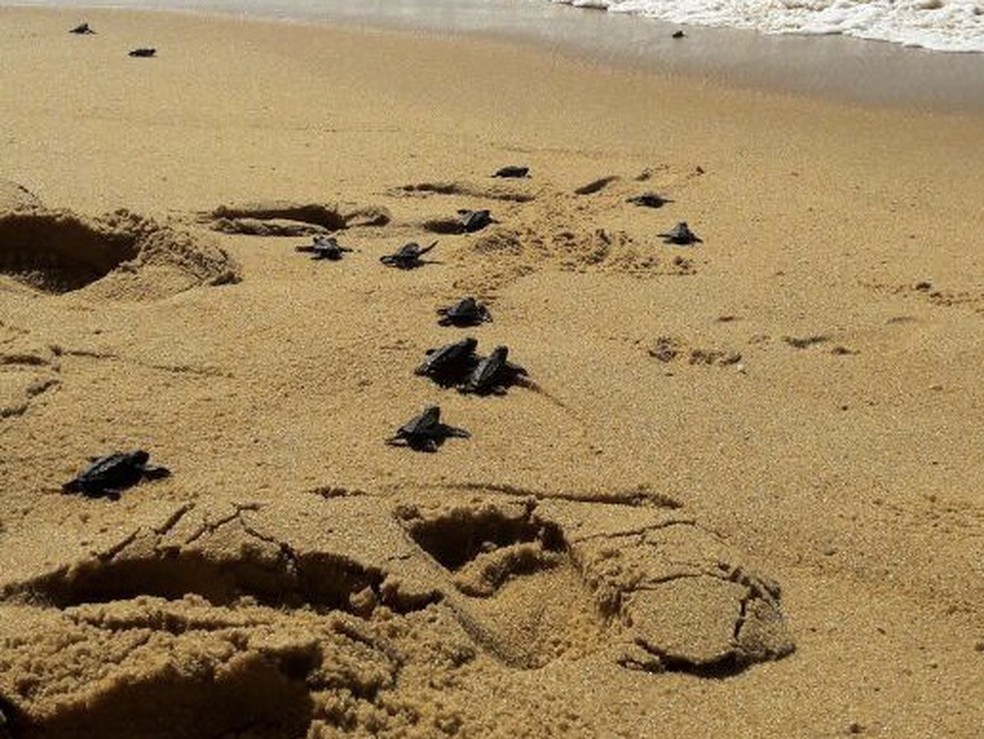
(737, 493)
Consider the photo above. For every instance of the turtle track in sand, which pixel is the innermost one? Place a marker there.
(360, 613)
(27, 371)
(118, 255)
(579, 229)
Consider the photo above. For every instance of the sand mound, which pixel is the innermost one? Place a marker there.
(500, 256)
(326, 616)
(120, 255)
(288, 218)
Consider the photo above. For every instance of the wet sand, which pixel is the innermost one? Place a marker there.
(834, 67)
(739, 492)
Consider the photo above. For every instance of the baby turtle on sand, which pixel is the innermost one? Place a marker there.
(324, 247)
(107, 476)
(512, 171)
(466, 312)
(493, 374)
(143, 52)
(473, 220)
(82, 29)
(649, 200)
(425, 433)
(450, 364)
(679, 34)
(681, 234)
(407, 256)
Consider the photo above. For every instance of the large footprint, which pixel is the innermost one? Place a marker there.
(275, 618)
(643, 580)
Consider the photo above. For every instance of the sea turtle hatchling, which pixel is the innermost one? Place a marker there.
(473, 220)
(512, 171)
(466, 312)
(106, 476)
(144, 52)
(680, 234)
(324, 247)
(649, 200)
(407, 256)
(450, 364)
(82, 29)
(425, 433)
(493, 374)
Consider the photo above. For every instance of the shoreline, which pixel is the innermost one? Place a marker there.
(836, 68)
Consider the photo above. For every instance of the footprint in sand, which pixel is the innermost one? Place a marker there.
(539, 579)
(340, 612)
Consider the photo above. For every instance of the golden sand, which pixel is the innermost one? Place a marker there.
(738, 494)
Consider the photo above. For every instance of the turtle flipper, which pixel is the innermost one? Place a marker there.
(155, 472)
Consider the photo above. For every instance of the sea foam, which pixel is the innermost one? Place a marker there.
(941, 25)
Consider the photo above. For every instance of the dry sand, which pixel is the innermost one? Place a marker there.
(741, 495)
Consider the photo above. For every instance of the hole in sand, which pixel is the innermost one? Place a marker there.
(526, 603)
(463, 189)
(596, 185)
(57, 251)
(289, 218)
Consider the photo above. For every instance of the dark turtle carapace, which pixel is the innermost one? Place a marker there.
(512, 171)
(82, 29)
(324, 247)
(450, 364)
(144, 52)
(493, 374)
(473, 220)
(680, 234)
(425, 433)
(649, 200)
(679, 34)
(407, 256)
(466, 312)
(106, 476)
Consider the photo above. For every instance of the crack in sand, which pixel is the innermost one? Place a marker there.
(631, 499)
(174, 519)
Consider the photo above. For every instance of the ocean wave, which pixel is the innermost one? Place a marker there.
(940, 25)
